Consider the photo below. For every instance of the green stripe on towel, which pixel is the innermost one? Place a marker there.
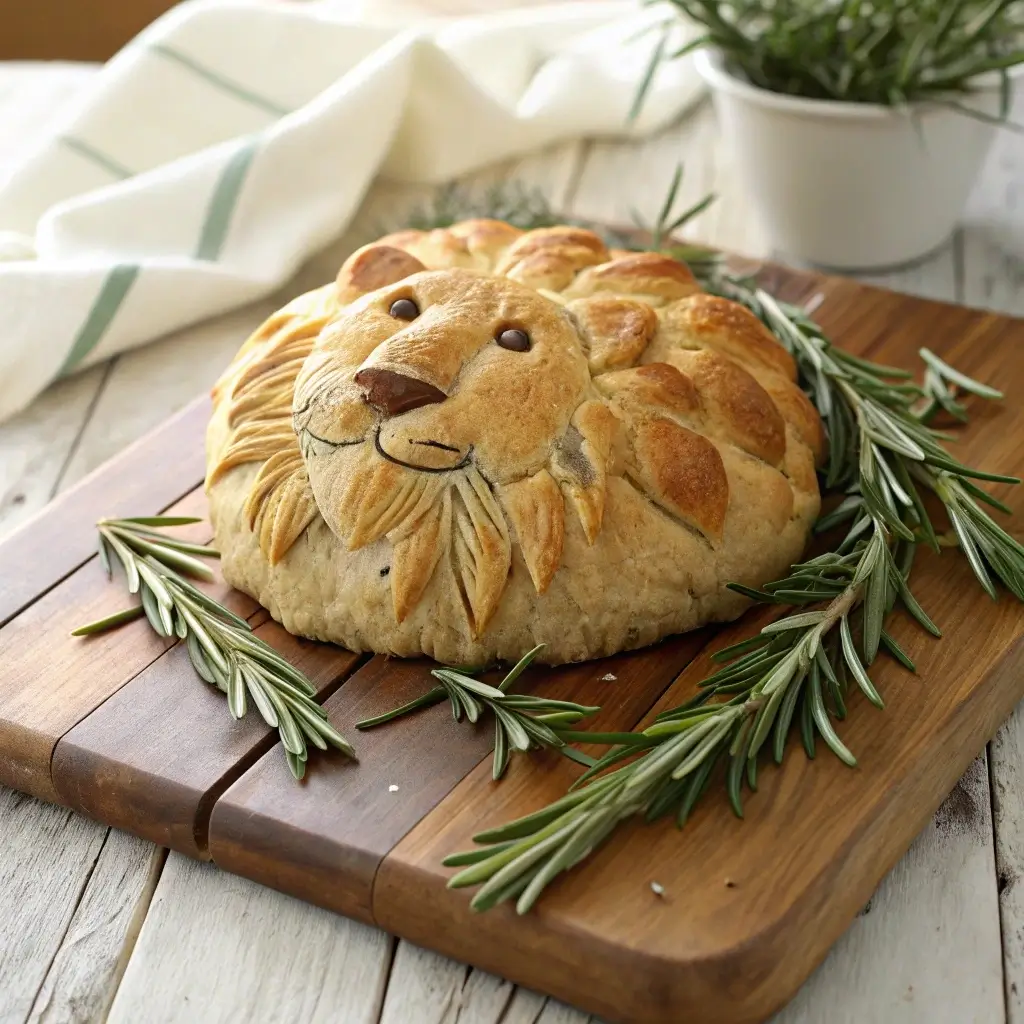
(112, 293)
(224, 199)
(95, 156)
(224, 84)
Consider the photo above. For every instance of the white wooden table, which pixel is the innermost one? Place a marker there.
(96, 925)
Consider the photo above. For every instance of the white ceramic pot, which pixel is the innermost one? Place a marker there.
(850, 186)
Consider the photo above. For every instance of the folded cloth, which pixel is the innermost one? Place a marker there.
(232, 139)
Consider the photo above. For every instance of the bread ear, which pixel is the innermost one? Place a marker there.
(373, 267)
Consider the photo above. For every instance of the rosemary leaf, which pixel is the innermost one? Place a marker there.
(110, 622)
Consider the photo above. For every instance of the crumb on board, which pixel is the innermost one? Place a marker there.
(608, 677)
(392, 788)
(813, 303)
(657, 888)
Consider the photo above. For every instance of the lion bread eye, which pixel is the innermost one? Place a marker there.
(404, 309)
(513, 339)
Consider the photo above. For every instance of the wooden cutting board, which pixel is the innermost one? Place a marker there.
(120, 728)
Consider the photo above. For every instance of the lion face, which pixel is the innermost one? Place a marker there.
(443, 370)
(427, 404)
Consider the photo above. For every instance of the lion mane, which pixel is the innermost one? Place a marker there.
(670, 417)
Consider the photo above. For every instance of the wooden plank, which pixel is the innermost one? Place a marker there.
(52, 680)
(149, 384)
(1007, 767)
(35, 446)
(220, 949)
(154, 757)
(425, 986)
(83, 974)
(741, 949)
(325, 841)
(926, 946)
(992, 263)
(152, 474)
(59, 849)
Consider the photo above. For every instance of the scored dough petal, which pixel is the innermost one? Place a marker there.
(683, 472)
(416, 555)
(481, 549)
(282, 506)
(379, 497)
(580, 463)
(615, 330)
(537, 511)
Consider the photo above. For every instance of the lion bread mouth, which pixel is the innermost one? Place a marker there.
(462, 462)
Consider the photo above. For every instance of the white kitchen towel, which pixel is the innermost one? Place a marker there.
(233, 138)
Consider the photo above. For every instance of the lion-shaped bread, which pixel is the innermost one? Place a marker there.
(479, 439)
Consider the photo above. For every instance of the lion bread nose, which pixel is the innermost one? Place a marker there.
(394, 393)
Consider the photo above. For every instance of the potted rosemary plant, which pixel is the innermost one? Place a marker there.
(857, 127)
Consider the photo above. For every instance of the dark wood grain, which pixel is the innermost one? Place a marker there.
(751, 907)
(154, 757)
(325, 842)
(156, 471)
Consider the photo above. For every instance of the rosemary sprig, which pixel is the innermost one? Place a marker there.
(767, 683)
(512, 201)
(521, 722)
(795, 674)
(221, 645)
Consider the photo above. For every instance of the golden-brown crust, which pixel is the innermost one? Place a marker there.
(373, 267)
(550, 258)
(684, 473)
(659, 279)
(485, 236)
(535, 508)
(554, 239)
(632, 382)
(798, 410)
(710, 321)
(615, 331)
(656, 385)
(735, 405)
